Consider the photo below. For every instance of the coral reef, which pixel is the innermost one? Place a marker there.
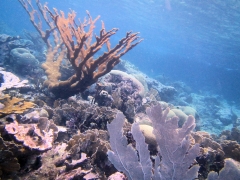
(82, 115)
(95, 144)
(166, 92)
(215, 114)
(58, 165)
(233, 135)
(119, 119)
(124, 157)
(4, 49)
(211, 157)
(124, 92)
(48, 170)
(19, 55)
(117, 176)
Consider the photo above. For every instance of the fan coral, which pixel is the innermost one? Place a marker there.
(177, 153)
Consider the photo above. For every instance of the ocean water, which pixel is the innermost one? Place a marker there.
(193, 44)
(196, 42)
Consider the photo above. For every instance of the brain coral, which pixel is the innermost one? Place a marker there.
(23, 57)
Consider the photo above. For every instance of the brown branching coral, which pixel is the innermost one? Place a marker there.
(79, 49)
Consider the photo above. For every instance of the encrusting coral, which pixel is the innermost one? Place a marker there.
(38, 136)
(11, 81)
(81, 115)
(78, 47)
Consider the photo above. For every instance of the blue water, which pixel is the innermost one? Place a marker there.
(197, 42)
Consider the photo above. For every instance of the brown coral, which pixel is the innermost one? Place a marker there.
(10, 153)
(8, 161)
(79, 49)
(94, 143)
(14, 105)
(211, 157)
(231, 149)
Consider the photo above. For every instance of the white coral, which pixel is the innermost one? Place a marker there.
(11, 81)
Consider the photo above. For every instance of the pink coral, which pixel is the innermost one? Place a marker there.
(35, 136)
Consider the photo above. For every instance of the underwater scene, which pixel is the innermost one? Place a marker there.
(119, 90)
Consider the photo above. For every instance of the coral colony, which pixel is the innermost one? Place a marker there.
(76, 113)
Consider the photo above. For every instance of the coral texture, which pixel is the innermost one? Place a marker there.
(14, 105)
(138, 88)
(94, 143)
(81, 115)
(8, 160)
(35, 136)
(22, 57)
(122, 91)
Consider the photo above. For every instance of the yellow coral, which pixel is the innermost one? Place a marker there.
(14, 105)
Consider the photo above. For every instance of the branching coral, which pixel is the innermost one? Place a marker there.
(14, 105)
(79, 49)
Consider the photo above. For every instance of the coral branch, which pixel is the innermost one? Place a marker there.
(80, 50)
